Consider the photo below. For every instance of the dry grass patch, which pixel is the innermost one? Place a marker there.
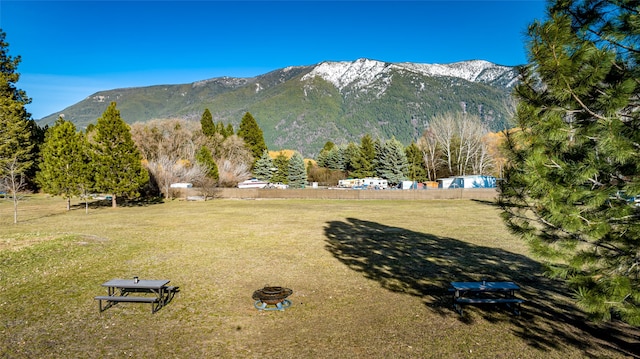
(369, 280)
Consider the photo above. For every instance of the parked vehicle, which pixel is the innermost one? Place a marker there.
(277, 185)
(364, 183)
(252, 183)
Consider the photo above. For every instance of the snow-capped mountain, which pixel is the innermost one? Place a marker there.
(303, 107)
(363, 72)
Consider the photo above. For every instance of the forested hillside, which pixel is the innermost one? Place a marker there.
(303, 107)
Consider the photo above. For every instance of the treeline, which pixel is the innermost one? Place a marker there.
(143, 160)
(454, 144)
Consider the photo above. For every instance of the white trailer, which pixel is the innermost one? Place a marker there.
(445, 182)
(473, 181)
(364, 183)
(374, 183)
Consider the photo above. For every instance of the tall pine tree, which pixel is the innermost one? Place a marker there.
(204, 157)
(252, 135)
(264, 168)
(297, 175)
(415, 159)
(391, 162)
(229, 130)
(118, 165)
(64, 170)
(281, 163)
(16, 142)
(574, 161)
(206, 123)
(363, 162)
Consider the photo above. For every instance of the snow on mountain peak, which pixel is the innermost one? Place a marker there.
(362, 72)
(359, 73)
(475, 70)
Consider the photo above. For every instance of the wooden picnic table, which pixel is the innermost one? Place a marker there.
(485, 292)
(119, 290)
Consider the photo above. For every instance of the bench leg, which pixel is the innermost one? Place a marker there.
(155, 306)
(106, 306)
(458, 308)
(516, 309)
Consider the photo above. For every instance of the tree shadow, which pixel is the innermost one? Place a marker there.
(423, 265)
(106, 203)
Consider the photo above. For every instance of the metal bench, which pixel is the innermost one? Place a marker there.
(113, 299)
(507, 301)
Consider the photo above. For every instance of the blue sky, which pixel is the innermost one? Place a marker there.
(72, 49)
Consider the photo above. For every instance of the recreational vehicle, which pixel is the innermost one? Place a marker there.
(364, 183)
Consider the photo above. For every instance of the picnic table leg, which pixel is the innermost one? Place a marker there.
(516, 309)
(106, 306)
(457, 307)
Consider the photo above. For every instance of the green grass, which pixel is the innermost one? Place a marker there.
(369, 280)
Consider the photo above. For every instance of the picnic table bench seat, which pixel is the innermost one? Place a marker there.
(485, 292)
(129, 299)
(466, 300)
(158, 294)
(507, 301)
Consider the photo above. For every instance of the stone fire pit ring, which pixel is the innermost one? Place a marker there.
(272, 298)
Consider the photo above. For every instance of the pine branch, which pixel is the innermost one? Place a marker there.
(553, 165)
(585, 107)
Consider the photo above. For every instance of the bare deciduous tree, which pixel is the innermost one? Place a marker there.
(13, 182)
(208, 187)
(167, 170)
(472, 150)
(174, 137)
(431, 153)
(232, 173)
(233, 148)
(443, 128)
(459, 137)
(170, 147)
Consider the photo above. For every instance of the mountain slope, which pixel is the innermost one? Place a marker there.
(303, 107)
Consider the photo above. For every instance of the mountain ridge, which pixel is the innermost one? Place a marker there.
(302, 107)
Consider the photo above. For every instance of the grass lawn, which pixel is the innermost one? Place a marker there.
(369, 280)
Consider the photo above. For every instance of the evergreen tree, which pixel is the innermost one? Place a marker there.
(334, 159)
(36, 139)
(118, 163)
(206, 122)
(362, 164)
(252, 135)
(297, 175)
(229, 131)
(264, 168)
(204, 157)
(415, 159)
(349, 156)
(322, 156)
(86, 185)
(573, 163)
(391, 162)
(16, 142)
(328, 146)
(64, 169)
(221, 129)
(281, 163)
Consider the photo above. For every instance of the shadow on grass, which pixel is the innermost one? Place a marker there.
(92, 205)
(106, 203)
(422, 265)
